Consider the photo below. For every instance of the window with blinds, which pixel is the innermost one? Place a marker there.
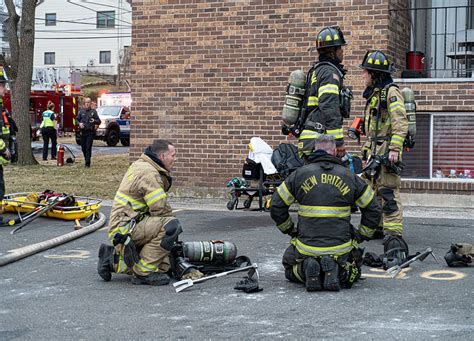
(453, 145)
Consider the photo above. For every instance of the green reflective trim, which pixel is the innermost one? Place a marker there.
(295, 272)
(366, 231)
(336, 133)
(396, 105)
(124, 199)
(314, 251)
(145, 267)
(324, 211)
(398, 140)
(365, 198)
(120, 229)
(285, 194)
(313, 101)
(121, 266)
(309, 134)
(2, 144)
(286, 225)
(328, 89)
(313, 78)
(154, 196)
(397, 230)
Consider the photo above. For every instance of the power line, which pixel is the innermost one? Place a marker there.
(73, 38)
(85, 31)
(110, 6)
(93, 10)
(83, 23)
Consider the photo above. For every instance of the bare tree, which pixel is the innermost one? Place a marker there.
(19, 70)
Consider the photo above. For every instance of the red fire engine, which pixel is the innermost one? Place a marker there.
(64, 96)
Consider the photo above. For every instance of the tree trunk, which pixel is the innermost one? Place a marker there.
(21, 84)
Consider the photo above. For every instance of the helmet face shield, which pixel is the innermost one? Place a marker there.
(330, 37)
(377, 61)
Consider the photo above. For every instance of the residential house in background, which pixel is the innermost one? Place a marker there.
(92, 36)
(4, 46)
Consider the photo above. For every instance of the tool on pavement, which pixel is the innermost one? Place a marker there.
(187, 283)
(395, 270)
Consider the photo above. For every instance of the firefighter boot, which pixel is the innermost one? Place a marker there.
(331, 274)
(105, 266)
(311, 271)
(155, 278)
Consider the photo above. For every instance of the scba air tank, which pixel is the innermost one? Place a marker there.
(410, 108)
(213, 251)
(294, 98)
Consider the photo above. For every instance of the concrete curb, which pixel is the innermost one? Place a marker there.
(416, 205)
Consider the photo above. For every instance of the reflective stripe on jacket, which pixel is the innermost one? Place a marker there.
(142, 190)
(392, 125)
(325, 190)
(323, 105)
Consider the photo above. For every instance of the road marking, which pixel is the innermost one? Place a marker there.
(380, 273)
(71, 254)
(443, 275)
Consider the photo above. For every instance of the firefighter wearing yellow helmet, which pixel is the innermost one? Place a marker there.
(386, 126)
(4, 135)
(327, 100)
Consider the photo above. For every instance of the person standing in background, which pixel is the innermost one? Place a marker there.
(48, 131)
(88, 121)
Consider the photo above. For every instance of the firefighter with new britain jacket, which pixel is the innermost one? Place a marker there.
(324, 251)
(327, 100)
(386, 126)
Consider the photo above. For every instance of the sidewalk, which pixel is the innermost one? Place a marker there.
(415, 205)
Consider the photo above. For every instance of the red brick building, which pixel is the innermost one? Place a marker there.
(209, 75)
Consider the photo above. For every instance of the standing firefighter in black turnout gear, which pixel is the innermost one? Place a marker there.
(327, 101)
(386, 127)
(324, 251)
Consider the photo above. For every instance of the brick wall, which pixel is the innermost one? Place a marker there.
(399, 34)
(211, 75)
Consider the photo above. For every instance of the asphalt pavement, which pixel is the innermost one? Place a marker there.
(99, 147)
(57, 294)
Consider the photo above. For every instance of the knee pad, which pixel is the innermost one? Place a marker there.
(173, 229)
(389, 205)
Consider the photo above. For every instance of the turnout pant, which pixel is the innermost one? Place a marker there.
(87, 138)
(387, 188)
(293, 264)
(49, 133)
(154, 237)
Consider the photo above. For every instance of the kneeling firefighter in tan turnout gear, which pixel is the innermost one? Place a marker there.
(386, 127)
(326, 101)
(143, 228)
(324, 251)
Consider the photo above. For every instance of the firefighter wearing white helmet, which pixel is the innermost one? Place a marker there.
(327, 100)
(386, 126)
